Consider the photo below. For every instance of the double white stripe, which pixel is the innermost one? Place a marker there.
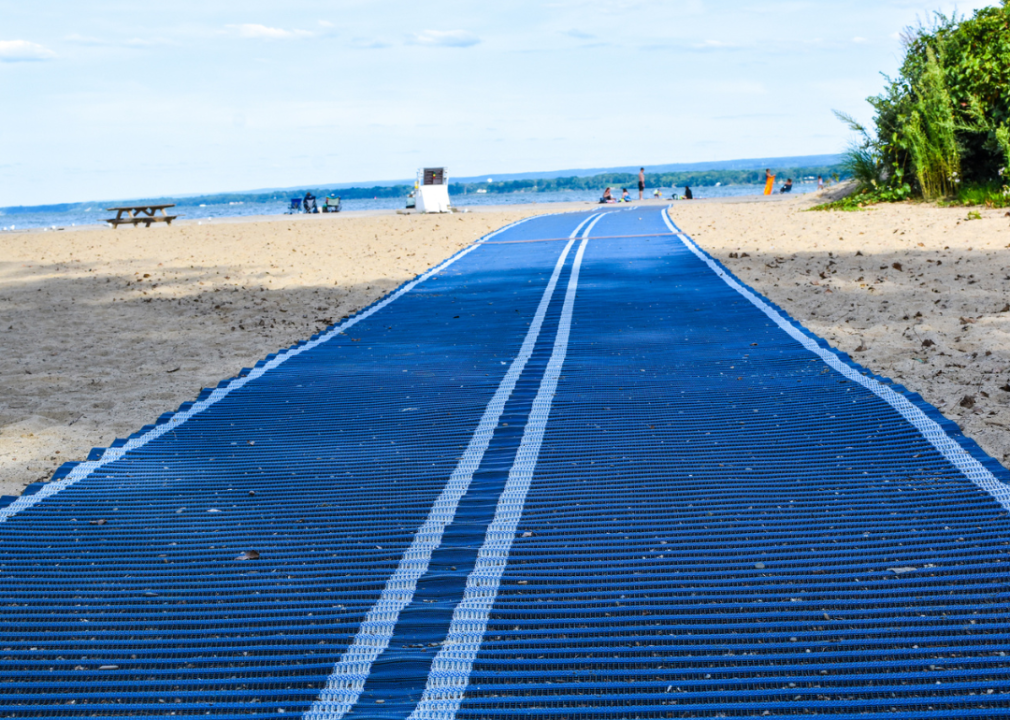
(451, 668)
(930, 429)
(347, 680)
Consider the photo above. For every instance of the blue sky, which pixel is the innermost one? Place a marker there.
(112, 99)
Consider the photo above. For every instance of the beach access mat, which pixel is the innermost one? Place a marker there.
(576, 471)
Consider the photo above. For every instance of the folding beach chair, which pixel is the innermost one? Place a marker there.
(296, 205)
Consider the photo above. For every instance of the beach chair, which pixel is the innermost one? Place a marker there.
(296, 206)
(332, 204)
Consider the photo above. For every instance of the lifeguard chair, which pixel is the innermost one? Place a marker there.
(432, 190)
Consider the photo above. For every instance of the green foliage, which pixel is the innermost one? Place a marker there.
(931, 133)
(863, 160)
(974, 215)
(991, 195)
(944, 122)
(864, 166)
(1002, 135)
(863, 198)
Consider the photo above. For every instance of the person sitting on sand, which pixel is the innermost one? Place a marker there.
(607, 196)
(625, 195)
(788, 187)
(657, 193)
(309, 203)
(688, 195)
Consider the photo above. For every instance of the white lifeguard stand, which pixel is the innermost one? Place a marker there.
(432, 190)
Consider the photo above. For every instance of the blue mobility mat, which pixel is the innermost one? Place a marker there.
(578, 471)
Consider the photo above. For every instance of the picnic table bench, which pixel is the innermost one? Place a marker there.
(140, 214)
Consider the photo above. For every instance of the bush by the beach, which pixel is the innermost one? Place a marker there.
(865, 196)
(943, 124)
(994, 195)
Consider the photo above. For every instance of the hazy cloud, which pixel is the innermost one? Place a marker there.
(23, 51)
(860, 40)
(579, 35)
(446, 38)
(85, 40)
(715, 45)
(147, 42)
(252, 30)
(132, 42)
(364, 44)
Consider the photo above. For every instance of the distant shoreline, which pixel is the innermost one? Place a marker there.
(695, 178)
(79, 219)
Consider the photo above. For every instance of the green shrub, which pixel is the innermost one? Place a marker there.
(862, 160)
(990, 195)
(944, 122)
(930, 130)
(863, 198)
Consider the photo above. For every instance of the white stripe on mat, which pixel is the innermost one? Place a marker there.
(347, 679)
(450, 670)
(930, 429)
(85, 469)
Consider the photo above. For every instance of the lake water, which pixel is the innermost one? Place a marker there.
(95, 214)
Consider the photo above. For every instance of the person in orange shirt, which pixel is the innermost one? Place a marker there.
(769, 182)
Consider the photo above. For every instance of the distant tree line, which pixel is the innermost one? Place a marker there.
(706, 178)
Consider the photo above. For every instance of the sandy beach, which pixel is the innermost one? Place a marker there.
(103, 330)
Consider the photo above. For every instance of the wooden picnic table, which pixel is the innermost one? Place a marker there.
(137, 214)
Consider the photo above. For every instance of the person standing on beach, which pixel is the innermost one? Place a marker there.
(641, 183)
(769, 181)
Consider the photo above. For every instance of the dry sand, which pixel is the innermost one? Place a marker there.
(103, 331)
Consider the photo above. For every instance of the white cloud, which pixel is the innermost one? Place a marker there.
(446, 38)
(860, 40)
(23, 51)
(252, 30)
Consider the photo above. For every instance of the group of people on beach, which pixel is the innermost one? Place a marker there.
(608, 194)
(787, 186)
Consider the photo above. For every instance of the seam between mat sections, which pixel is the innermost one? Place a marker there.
(84, 469)
(451, 668)
(347, 679)
(927, 427)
